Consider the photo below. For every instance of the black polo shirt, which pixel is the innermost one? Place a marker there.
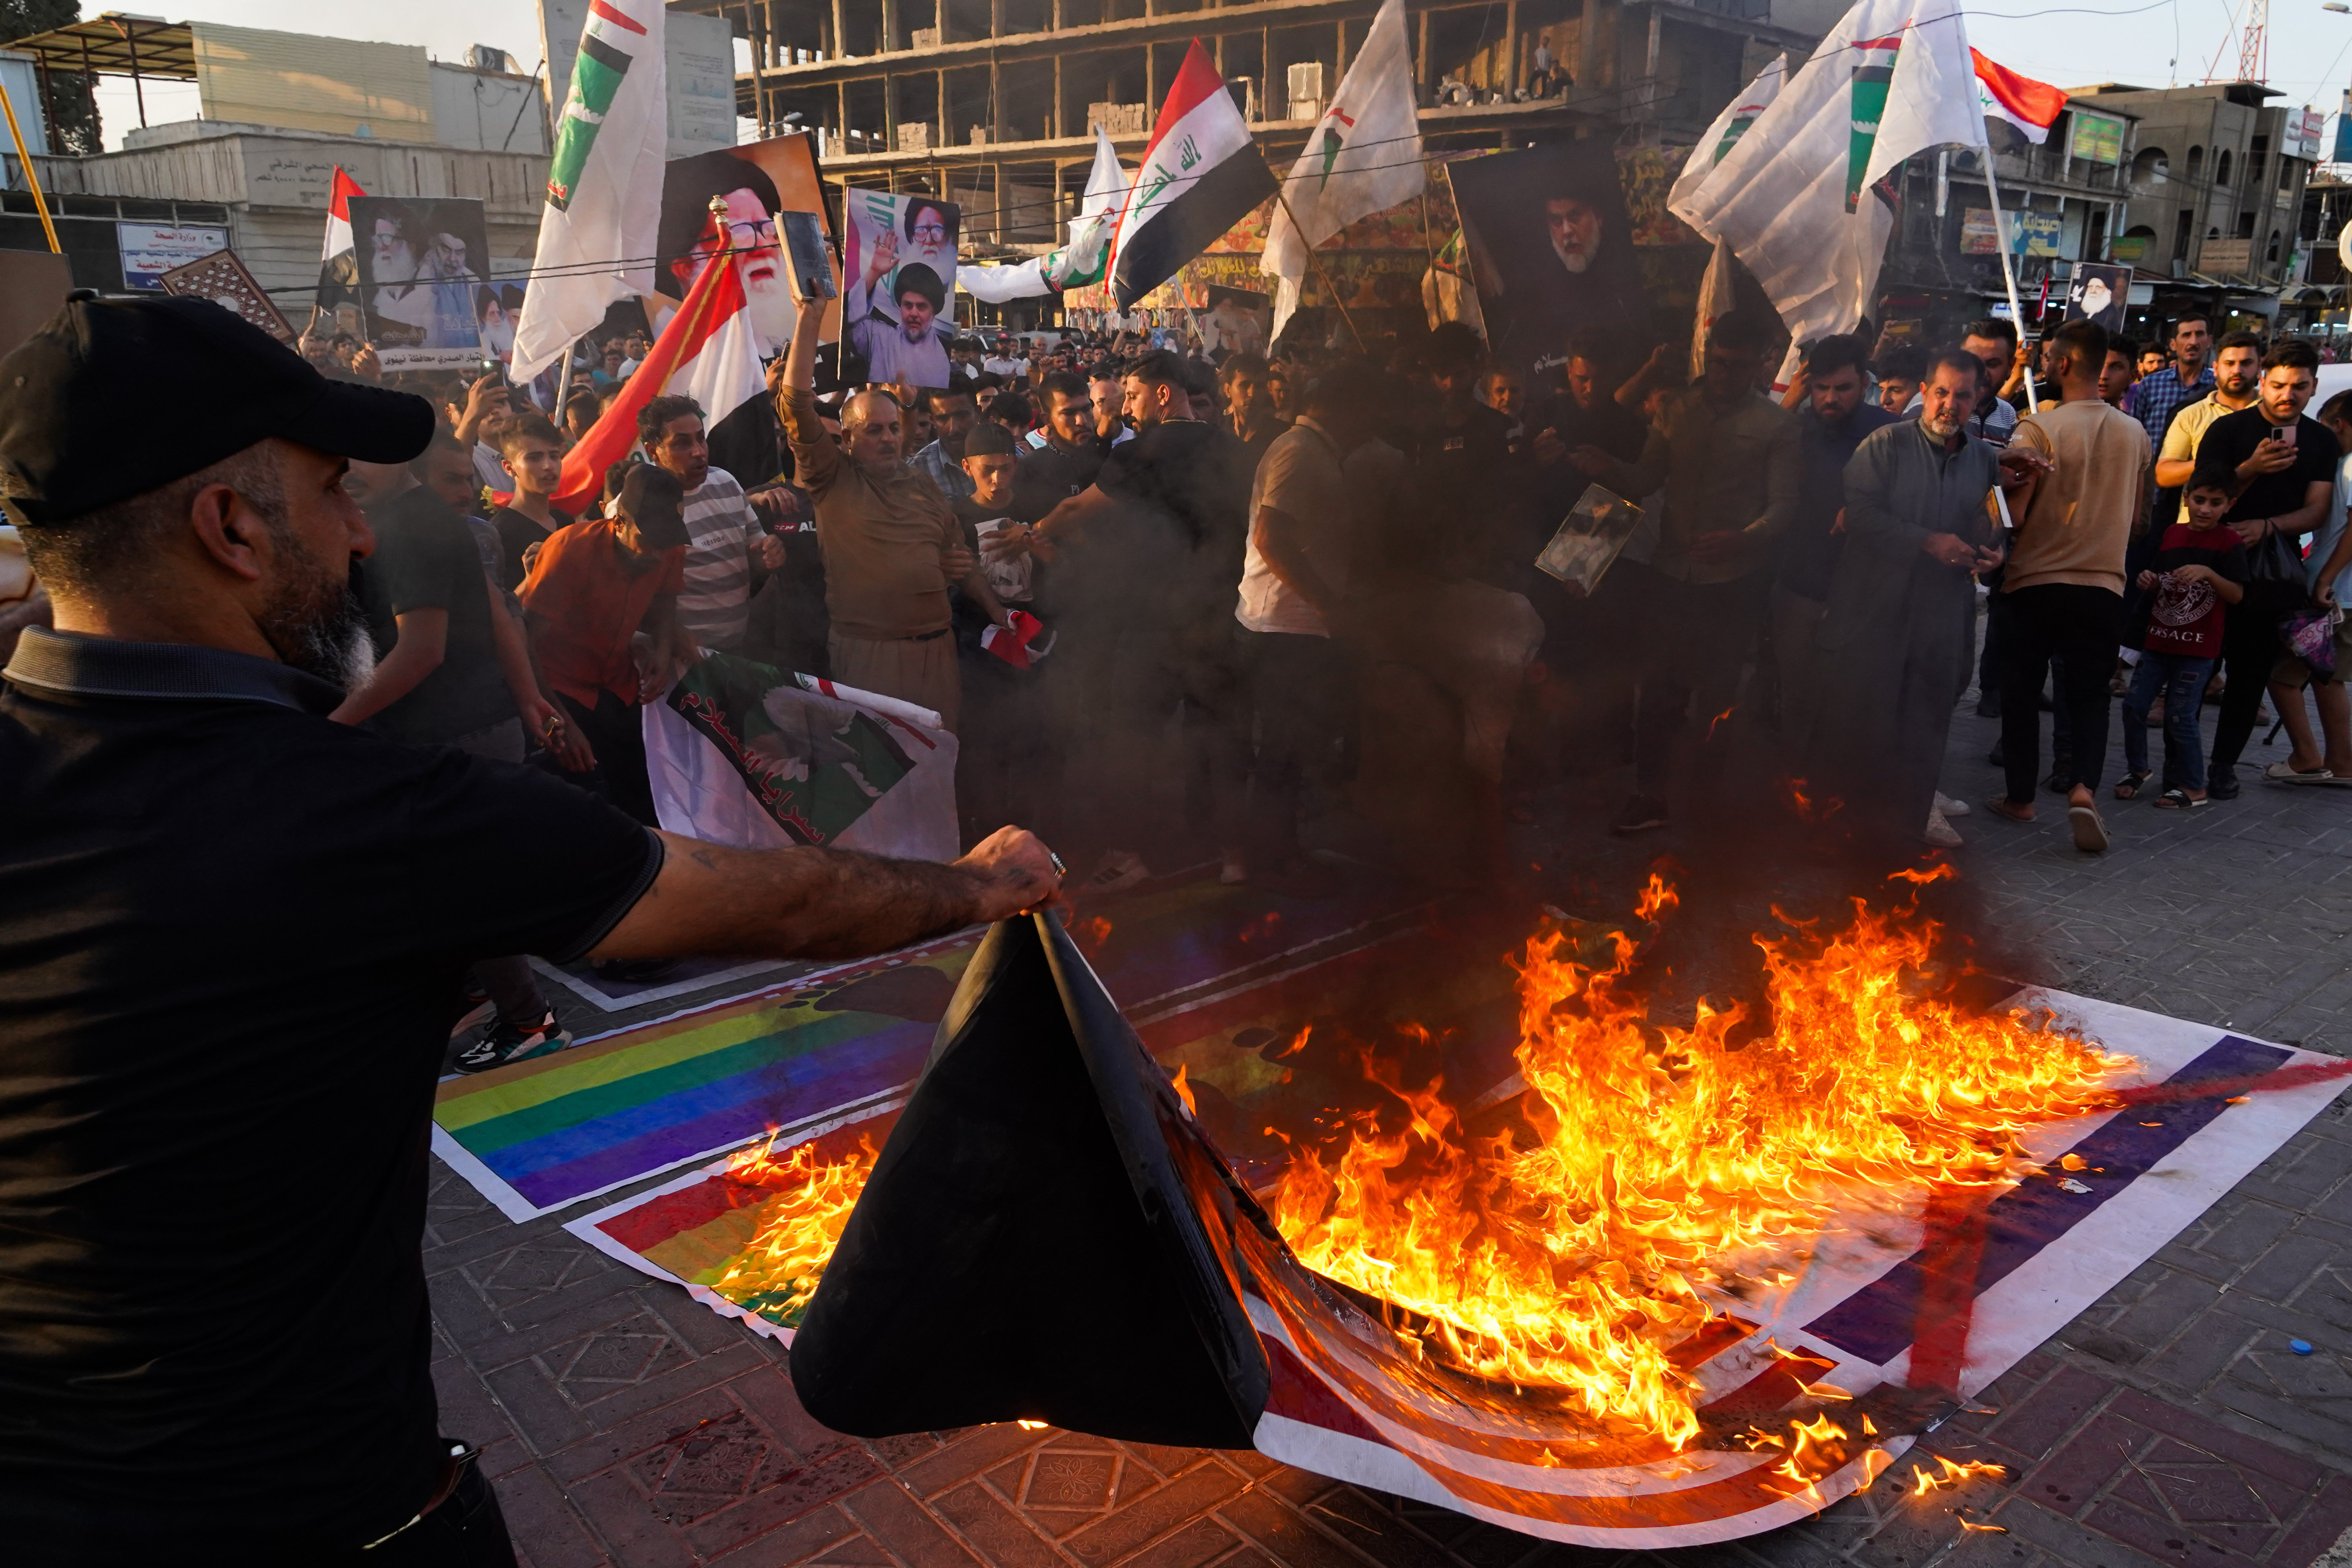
(231, 936)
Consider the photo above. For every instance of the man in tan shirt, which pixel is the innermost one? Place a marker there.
(2064, 581)
(891, 545)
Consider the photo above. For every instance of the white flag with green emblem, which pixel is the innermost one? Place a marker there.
(1791, 196)
(1714, 292)
(1363, 156)
(596, 232)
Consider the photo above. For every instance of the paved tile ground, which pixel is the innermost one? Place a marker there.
(2169, 1425)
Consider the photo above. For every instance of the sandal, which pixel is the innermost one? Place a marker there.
(2090, 829)
(1999, 807)
(2177, 799)
(2128, 786)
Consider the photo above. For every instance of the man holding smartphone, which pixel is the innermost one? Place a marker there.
(2284, 464)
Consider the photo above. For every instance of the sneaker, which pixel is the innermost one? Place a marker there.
(1118, 868)
(513, 1043)
(1949, 807)
(1642, 812)
(2062, 777)
(2222, 787)
(1940, 833)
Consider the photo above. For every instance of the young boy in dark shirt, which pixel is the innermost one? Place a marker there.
(532, 455)
(1005, 743)
(2199, 569)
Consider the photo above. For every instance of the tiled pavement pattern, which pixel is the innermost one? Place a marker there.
(2171, 1423)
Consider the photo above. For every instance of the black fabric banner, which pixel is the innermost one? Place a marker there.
(1032, 1245)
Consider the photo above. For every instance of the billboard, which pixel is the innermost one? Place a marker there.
(2097, 138)
(151, 250)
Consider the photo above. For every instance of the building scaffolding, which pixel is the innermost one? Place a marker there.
(992, 103)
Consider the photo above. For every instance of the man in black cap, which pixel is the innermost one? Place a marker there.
(231, 934)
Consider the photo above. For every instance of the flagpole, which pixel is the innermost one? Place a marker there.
(1333, 289)
(2008, 274)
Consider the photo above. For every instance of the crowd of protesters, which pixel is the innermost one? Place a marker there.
(1212, 568)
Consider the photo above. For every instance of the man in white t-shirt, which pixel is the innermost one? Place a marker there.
(1006, 362)
(1293, 594)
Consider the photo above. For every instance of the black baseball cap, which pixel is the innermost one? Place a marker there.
(114, 397)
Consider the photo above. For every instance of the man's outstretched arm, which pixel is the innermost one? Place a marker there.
(826, 903)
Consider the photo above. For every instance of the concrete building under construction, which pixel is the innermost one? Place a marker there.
(992, 103)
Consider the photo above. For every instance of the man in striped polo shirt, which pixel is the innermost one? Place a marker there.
(728, 553)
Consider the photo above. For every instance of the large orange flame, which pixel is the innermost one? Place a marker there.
(1656, 1162)
(798, 1227)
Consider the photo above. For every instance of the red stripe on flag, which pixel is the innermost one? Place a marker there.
(345, 188)
(2031, 100)
(1947, 1292)
(620, 18)
(1195, 79)
(717, 295)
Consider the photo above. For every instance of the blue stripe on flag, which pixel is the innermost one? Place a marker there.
(1877, 1321)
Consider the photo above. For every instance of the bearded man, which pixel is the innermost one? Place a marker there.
(1895, 638)
(222, 914)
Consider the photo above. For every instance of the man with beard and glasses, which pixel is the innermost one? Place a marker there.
(225, 920)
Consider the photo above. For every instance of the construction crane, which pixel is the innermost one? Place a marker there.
(2254, 41)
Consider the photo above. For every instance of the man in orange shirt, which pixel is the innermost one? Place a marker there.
(595, 585)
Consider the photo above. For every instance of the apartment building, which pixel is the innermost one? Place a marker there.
(992, 102)
(2216, 180)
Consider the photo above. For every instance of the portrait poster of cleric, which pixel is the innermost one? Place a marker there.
(1552, 250)
(898, 272)
(2098, 293)
(424, 262)
(757, 181)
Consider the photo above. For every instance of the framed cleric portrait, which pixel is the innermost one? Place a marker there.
(1552, 250)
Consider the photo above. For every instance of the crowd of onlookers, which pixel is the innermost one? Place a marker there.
(1153, 595)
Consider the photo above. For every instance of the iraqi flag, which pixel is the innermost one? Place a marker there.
(1200, 175)
(339, 272)
(2029, 105)
(710, 351)
(339, 215)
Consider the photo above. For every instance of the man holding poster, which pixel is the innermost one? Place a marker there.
(421, 262)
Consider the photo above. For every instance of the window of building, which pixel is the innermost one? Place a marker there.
(2255, 156)
(2195, 163)
(2150, 166)
(2222, 169)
